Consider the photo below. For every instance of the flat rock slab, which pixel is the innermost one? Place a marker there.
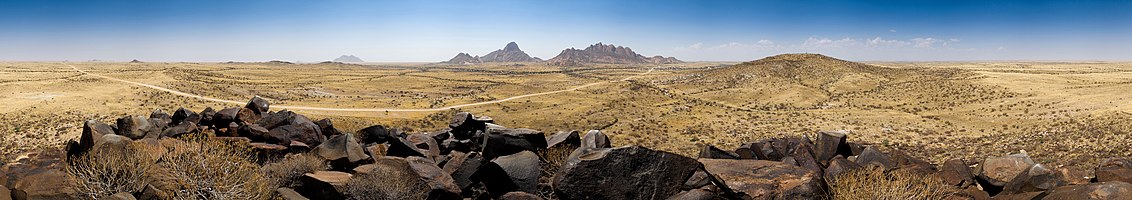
(762, 179)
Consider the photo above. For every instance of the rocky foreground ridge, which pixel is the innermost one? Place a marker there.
(474, 158)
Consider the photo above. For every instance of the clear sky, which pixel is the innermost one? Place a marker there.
(430, 31)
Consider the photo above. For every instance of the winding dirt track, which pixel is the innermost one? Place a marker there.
(185, 94)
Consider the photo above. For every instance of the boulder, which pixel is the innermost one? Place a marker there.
(327, 127)
(998, 171)
(207, 116)
(134, 127)
(519, 196)
(710, 151)
(112, 142)
(343, 151)
(253, 131)
(596, 139)
(1075, 175)
(699, 179)
(92, 130)
(289, 194)
(837, 166)
(299, 129)
(377, 150)
(1036, 178)
(506, 141)
(225, 116)
(258, 105)
(184, 115)
(762, 179)
(632, 172)
(870, 156)
(830, 144)
(187, 127)
(47, 184)
(515, 172)
(160, 116)
(399, 147)
(955, 172)
(323, 184)
(425, 144)
(462, 166)
(377, 134)
(276, 119)
(1101, 190)
(765, 150)
(1114, 169)
(267, 151)
(247, 116)
(745, 152)
(564, 138)
(804, 157)
(464, 125)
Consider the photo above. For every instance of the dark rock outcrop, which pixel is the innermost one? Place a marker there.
(623, 173)
(605, 54)
(761, 179)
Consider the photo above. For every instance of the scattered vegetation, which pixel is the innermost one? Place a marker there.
(385, 185)
(105, 171)
(286, 172)
(876, 183)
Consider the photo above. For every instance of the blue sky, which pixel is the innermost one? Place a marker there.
(429, 31)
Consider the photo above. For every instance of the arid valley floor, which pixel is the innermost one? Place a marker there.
(1068, 114)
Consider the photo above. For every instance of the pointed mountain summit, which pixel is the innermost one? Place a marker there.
(606, 54)
(509, 53)
(348, 59)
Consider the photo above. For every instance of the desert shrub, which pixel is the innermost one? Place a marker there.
(211, 169)
(286, 172)
(386, 184)
(551, 161)
(105, 171)
(876, 183)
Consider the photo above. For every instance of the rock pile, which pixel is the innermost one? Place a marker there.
(476, 158)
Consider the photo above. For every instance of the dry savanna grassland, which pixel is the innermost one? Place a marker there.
(1062, 113)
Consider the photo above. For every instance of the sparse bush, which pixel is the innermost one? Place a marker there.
(287, 171)
(386, 184)
(552, 160)
(104, 171)
(875, 183)
(210, 169)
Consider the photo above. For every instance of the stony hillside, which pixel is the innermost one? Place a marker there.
(463, 58)
(253, 152)
(509, 53)
(605, 54)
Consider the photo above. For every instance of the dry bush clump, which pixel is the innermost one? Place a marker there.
(875, 183)
(551, 160)
(382, 184)
(211, 169)
(287, 171)
(105, 171)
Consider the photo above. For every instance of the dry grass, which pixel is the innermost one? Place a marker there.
(875, 183)
(209, 169)
(287, 171)
(104, 172)
(383, 184)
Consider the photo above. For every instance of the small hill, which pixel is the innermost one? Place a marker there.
(348, 59)
(606, 54)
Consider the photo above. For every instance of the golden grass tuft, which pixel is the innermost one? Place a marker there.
(211, 169)
(386, 185)
(104, 171)
(286, 172)
(876, 184)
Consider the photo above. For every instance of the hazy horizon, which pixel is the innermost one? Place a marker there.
(379, 31)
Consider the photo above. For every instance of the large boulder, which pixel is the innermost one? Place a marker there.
(1114, 169)
(839, 165)
(327, 127)
(162, 118)
(187, 127)
(298, 128)
(400, 147)
(134, 127)
(207, 116)
(997, 171)
(1102, 190)
(426, 144)
(112, 142)
(515, 172)
(343, 151)
(247, 116)
(955, 172)
(506, 141)
(762, 179)
(632, 172)
(564, 138)
(462, 166)
(323, 184)
(50, 184)
(92, 130)
(464, 125)
(377, 134)
(596, 139)
(225, 116)
(710, 151)
(276, 119)
(185, 115)
(1036, 178)
(870, 156)
(830, 144)
(258, 105)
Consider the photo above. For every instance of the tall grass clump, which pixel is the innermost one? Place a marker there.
(877, 184)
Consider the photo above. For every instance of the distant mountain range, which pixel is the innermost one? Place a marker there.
(348, 59)
(594, 54)
(606, 54)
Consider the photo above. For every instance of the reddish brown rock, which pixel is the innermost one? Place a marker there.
(1101, 190)
(998, 171)
(763, 179)
(1114, 169)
